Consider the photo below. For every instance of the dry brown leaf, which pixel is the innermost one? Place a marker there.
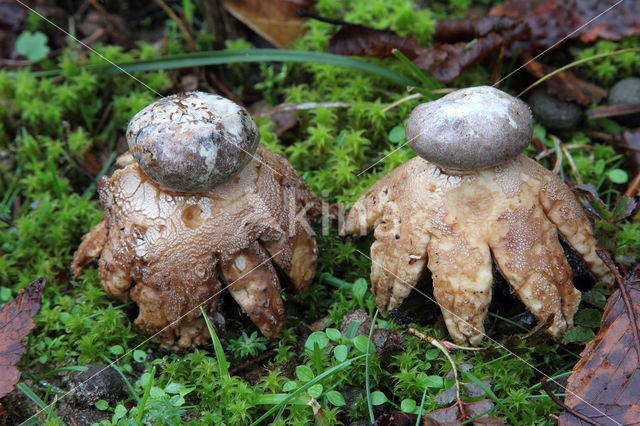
(276, 21)
(605, 384)
(15, 324)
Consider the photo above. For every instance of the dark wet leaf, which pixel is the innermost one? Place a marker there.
(444, 61)
(566, 85)
(552, 20)
(629, 142)
(359, 40)
(447, 415)
(387, 340)
(472, 390)
(15, 324)
(446, 397)
(605, 382)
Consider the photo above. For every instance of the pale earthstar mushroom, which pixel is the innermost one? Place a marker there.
(202, 201)
(470, 197)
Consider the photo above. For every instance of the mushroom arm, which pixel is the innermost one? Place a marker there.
(253, 283)
(368, 210)
(90, 248)
(398, 257)
(564, 210)
(462, 281)
(296, 256)
(530, 257)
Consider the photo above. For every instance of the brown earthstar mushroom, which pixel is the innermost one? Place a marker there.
(202, 202)
(470, 197)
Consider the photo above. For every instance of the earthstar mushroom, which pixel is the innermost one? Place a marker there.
(470, 197)
(202, 201)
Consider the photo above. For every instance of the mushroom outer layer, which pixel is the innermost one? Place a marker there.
(165, 250)
(512, 213)
(192, 141)
(470, 129)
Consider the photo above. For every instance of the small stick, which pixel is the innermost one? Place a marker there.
(183, 29)
(252, 361)
(545, 387)
(625, 296)
(228, 93)
(65, 140)
(444, 347)
(558, 165)
(574, 169)
(632, 190)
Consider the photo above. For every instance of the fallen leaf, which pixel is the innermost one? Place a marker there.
(550, 21)
(629, 142)
(443, 416)
(605, 384)
(566, 85)
(444, 61)
(276, 21)
(387, 340)
(358, 40)
(15, 324)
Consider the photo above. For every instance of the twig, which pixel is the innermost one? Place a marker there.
(252, 361)
(603, 136)
(613, 111)
(300, 107)
(568, 409)
(566, 153)
(632, 190)
(444, 347)
(7, 221)
(558, 165)
(625, 296)
(183, 29)
(228, 93)
(442, 91)
(494, 80)
(65, 140)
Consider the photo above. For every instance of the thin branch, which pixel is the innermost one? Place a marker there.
(625, 296)
(252, 361)
(545, 387)
(632, 190)
(183, 29)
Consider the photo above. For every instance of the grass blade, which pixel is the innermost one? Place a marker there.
(126, 381)
(576, 63)
(32, 395)
(145, 396)
(493, 396)
(366, 369)
(306, 386)
(417, 72)
(220, 57)
(223, 365)
(79, 368)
